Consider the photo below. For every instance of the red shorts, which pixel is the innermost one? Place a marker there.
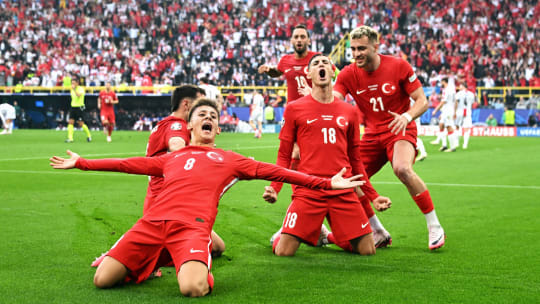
(378, 148)
(108, 116)
(345, 215)
(144, 247)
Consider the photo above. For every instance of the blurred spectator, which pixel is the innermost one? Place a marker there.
(60, 120)
(180, 41)
(269, 114)
(509, 117)
(532, 121)
(231, 99)
(491, 121)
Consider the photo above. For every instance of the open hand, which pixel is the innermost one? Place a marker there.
(338, 182)
(58, 162)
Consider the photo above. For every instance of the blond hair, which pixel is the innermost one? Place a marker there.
(366, 31)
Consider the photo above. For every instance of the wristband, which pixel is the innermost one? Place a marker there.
(407, 116)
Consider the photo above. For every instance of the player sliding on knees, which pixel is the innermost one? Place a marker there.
(327, 131)
(183, 214)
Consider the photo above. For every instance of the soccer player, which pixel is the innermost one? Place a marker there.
(256, 115)
(106, 101)
(381, 86)
(447, 120)
(7, 114)
(76, 111)
(182, 217)
(327, 131)
(169, 135)
(295, 67)
(464, 102)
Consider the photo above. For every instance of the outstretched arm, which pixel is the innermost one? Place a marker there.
(272, 71)
(134, 165)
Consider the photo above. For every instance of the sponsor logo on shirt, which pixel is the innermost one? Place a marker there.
(176, 126)
(215, 156)
(412, 78)
(297, 67)
(360, 92)
(388, 88)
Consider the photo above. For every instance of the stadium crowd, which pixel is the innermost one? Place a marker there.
(140, 42)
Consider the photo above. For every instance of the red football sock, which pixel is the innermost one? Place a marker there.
(110, 129)
(274, 245)
(366, 204)
(424, 202)
(294, 164)
(343, 245)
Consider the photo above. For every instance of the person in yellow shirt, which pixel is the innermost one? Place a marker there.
(76, 111)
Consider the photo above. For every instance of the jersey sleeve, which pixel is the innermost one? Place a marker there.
(340, 86)
(281, 65)
(135, 165)
(288, 130)
(177, 129)
(283, 160)
(408, 78)
(251, 169)
(355, 159)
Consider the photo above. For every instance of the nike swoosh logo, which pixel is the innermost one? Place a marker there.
(311, 121)
(364, 225)
(195, 251)
(287, 70)
(435, 242)
(360, 92)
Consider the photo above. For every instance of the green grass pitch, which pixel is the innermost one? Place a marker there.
(54, 223)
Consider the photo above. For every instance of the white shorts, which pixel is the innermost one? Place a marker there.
(447, 119)
(464, 121)
(256, 117)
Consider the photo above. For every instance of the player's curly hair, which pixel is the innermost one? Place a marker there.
(366, 31)
(203, 102)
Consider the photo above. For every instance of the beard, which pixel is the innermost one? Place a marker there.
(300, 50)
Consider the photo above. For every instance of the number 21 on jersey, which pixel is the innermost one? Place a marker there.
(377, 104)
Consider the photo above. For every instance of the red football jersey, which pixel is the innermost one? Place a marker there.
(107, 96)
(295, 71)
(158, 144)
(195, 179)
(328, 136)
(386, 89)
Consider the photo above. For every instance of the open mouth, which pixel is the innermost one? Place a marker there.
(322, 73)
(207, 126)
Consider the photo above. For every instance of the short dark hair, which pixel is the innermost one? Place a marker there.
(315, 56)
(203, 102)
(182, 92)
(301, 26)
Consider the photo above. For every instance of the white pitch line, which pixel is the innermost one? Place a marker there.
(468, 185)
(86, 155)
(377, 182)
(63, 172)
(133, 153)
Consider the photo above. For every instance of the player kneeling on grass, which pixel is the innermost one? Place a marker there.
(327, 131)
(182, 217)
